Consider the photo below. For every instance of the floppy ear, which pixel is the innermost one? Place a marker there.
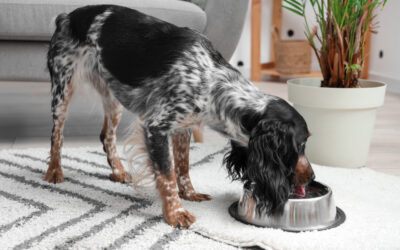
(236, 161)
(269, 147)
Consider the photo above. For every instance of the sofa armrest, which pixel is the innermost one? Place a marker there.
(225, 20)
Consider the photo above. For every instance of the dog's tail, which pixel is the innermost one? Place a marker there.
(62, 28)
(61, 23)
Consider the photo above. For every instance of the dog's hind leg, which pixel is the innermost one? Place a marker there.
(112, 116)
(181, 145)
(62, 90)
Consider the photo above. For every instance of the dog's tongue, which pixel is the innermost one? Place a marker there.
(300, 191)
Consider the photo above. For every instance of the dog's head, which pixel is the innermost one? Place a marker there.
(273, 162)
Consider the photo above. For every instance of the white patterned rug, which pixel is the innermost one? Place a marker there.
(89, 211)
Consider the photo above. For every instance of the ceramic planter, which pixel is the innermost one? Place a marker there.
(340, 120)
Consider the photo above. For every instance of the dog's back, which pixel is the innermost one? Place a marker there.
(133, 45)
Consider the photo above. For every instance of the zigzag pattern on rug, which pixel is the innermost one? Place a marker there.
(87, 210)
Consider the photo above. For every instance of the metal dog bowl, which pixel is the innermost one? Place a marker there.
(315, 211)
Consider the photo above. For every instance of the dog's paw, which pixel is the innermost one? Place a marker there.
(193, 196)
(123, 177)
(54, 175)
(179, 218)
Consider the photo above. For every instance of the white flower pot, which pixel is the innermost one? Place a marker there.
(341, 120)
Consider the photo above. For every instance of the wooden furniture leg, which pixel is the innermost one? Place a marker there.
(255, 40)
(276, 24)
(198, 135)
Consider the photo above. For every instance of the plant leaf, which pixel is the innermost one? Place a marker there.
(293, 10)
(295, 5)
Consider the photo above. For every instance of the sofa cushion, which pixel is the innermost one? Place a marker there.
(33, 19)
(200, 3)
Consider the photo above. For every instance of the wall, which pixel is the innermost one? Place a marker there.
(387, 40)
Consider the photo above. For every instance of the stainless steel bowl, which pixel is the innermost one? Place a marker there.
(316, 211)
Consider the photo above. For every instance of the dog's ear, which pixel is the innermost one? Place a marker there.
(236, 161)
(269, 148)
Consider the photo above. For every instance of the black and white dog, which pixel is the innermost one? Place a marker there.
(174, 80)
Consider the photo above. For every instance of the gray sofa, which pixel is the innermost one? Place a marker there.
(26, 28)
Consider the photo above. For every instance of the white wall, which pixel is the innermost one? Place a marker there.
(386, 69)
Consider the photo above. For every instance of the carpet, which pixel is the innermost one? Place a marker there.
(89, 211)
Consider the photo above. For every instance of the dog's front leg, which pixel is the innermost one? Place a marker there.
(181, 145)
(158, 148)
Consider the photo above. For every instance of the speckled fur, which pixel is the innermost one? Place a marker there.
(69, 63)
(180, 145)
(197, 88)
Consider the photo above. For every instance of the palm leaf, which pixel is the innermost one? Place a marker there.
(343, 26)
(293, 10)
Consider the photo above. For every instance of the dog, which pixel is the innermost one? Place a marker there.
(174, 80)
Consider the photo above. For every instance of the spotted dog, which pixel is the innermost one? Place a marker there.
(174, 80)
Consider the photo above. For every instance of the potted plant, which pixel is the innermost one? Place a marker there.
(340, 109)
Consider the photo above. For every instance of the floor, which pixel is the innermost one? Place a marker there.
(25, 121)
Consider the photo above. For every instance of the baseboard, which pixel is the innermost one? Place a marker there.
(393, 83)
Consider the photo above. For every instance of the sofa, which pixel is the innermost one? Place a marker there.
(26, 27)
